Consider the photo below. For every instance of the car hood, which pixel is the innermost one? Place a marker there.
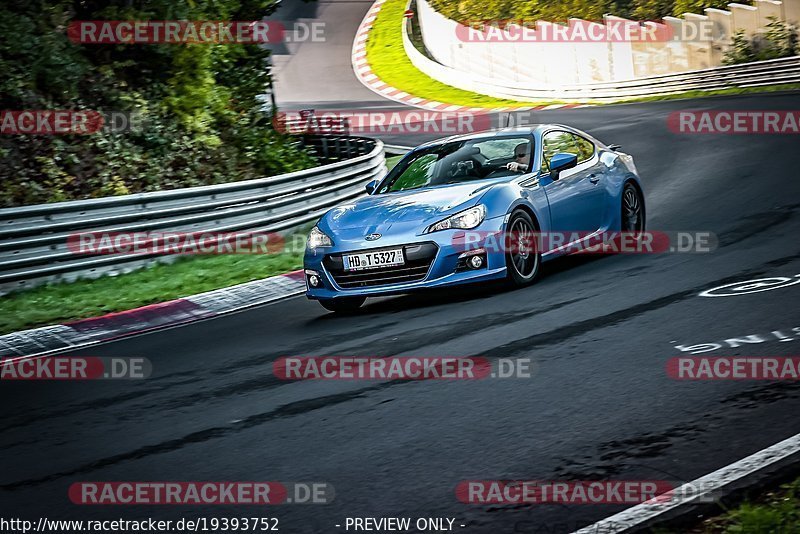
(379, 213)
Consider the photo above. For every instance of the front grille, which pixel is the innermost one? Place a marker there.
(419, 258)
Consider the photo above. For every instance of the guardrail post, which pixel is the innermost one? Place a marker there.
(324, 142)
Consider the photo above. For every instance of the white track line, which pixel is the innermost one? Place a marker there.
(707, 484)
(217, 303)
(90, 343)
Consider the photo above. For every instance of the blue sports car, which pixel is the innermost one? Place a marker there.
(433, 220)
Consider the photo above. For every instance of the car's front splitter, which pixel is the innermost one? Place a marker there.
(465, 277)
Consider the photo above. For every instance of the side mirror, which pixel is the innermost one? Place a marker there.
(561, 162)
(371, 186)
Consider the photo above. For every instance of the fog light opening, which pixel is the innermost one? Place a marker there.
(313, 278)
(472, 260)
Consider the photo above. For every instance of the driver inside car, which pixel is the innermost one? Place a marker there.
(521, 158)
(461, 163)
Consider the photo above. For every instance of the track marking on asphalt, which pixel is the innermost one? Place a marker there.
(779, 335)
(712, 482)
(751, 286)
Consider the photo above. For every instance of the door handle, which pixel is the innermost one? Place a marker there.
(594, 178)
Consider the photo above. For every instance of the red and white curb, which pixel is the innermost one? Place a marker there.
(85, 332)
(368, 78)
(756, 469)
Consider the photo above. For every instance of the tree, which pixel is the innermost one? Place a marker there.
(199, 102)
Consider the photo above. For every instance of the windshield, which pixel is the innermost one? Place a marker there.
(461, 161)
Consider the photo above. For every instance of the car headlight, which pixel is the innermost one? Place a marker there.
(463, 220)
(317, 238)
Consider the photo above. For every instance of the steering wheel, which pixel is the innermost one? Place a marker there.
(467, 167)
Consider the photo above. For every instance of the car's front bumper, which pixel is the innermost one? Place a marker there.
(444, 270)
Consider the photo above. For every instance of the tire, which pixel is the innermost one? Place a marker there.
(632, 214)
(522, 266)
(343, 305)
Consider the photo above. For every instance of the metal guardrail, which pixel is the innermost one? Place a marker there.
(759, 73)
(33, 239)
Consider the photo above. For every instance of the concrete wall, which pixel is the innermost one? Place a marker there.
(698, 41)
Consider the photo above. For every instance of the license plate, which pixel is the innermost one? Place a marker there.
(373, 260)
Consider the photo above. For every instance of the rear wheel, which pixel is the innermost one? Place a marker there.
(522, 254)
(343, 305)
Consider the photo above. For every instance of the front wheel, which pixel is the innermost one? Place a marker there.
(632, 210)
(343, 305)
(522, 253)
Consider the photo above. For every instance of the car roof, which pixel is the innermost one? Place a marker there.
(498, 132)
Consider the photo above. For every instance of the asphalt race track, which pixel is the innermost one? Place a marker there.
(598, 329)
(312, 74)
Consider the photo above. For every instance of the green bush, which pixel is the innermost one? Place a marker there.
(472, 10)
(697, 6)
(780, 40)
(558, 10)
(198, 105)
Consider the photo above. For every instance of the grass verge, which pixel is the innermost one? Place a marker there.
(776, 511)
(389, 62)
(391, 161)
(58, 303)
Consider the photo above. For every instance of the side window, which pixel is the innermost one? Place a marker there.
(555, 142)
(585, 148)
